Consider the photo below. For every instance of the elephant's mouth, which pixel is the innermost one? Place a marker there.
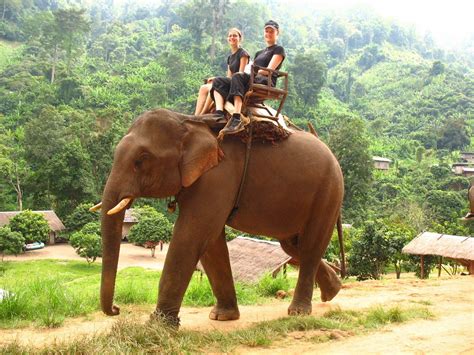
(123, 204)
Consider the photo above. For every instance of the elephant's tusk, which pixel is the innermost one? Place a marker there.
(120, 206)
(96, 207)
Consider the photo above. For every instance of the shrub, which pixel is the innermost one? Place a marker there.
(32, 226)
(80, 217)
(153, 228)
(87, 243)
(10, 242)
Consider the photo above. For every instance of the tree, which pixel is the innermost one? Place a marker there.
(454, 134)
(152, 229)
(32, 226)
(13, 167)
(80, 216)
(398, 234)
(10, 242)
(87, 242)
(308, 73)
(349, 142)
(370, 252)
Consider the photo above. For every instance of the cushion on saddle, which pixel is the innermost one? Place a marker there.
(263, 131)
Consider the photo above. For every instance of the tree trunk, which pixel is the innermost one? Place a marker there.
(55, 59)
(153, 249)
(398, 269)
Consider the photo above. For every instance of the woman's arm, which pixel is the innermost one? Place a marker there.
(229, 73)
(243, 62)
(274, 63)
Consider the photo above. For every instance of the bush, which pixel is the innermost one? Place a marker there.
(32, 226)
(10, 242)
(80, 217)
(87, 243)
(152, 228)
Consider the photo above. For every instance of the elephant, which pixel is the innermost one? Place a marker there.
(293, 193)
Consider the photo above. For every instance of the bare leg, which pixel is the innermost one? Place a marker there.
(237, 104)
(207, 105)
(217, 265)
(219, 101)
(203, 93)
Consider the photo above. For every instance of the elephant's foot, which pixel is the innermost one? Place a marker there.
(299, 309)
(330, 290)
(220, 313)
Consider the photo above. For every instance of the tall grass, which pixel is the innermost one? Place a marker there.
(46, 292)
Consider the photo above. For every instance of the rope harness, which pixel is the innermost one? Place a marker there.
(244, 174)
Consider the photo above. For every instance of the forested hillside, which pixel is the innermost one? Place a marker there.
(75, 74)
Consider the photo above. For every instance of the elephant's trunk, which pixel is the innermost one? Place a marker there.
(111, 228)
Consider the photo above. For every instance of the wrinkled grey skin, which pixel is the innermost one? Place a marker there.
(293, 193)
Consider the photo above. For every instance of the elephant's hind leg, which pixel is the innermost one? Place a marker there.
(312, 244)
(328, 281)
(217, 266)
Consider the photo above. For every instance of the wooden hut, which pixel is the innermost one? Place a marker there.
(381, 163)
(458, 248)
(55, 224)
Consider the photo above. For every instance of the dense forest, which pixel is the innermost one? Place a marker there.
(74, 75)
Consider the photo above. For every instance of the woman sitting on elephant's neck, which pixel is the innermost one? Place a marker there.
(271, 57)
(236, 62)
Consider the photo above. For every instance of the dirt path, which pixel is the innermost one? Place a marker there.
(452, 301)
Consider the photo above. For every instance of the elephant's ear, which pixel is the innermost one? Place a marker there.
(200, 152)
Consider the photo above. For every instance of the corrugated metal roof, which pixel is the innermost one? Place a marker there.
(53, 220)
(451, 246)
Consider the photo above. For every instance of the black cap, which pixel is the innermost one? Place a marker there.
(273, 24)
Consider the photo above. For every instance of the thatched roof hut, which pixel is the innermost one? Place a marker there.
(53, 220)
(251, 258)
(450, 246)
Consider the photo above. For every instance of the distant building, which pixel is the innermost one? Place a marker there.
(53, 220)
(463, 169)
(467, 157)
(381, 163)
(128, 222)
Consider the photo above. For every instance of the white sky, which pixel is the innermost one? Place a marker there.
(450, 22)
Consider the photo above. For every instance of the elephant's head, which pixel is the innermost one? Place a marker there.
(162, 152)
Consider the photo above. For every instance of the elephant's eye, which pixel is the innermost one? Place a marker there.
(140, 160)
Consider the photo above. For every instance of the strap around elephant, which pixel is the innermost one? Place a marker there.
(244, 174)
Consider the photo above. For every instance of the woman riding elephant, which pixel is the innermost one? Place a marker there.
(236, 62)
(271, 57)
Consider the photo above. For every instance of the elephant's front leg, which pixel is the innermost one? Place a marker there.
(217, 266)
(191, 237)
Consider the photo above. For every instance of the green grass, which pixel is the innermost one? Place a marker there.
(46, 292)
(132, 336)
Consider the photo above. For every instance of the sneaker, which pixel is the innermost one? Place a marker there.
(235, 126)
